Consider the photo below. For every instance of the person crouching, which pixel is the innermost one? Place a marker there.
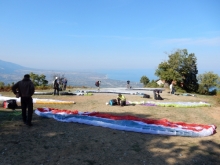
(121, 100)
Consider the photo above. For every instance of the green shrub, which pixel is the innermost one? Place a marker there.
(202, 90)
(152, 84)
(179, 89)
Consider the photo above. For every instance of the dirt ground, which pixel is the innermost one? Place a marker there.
(49, 142)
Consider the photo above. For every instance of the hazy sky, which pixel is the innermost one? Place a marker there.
(108, 34)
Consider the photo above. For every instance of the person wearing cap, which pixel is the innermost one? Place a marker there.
(121, 99)
(56, 86)
(25, 89)
(128, 84)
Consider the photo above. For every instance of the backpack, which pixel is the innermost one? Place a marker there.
(97, 83)
(159, 97)
(10, 104)
(146, 96)
(113, 102)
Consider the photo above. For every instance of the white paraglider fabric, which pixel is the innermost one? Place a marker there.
(129, 123)
(38, 101)
(171, 104)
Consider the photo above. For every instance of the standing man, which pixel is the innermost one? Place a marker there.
(172, 90)
(56, 86)
(25, 89)
(128, 84)
(64, 84)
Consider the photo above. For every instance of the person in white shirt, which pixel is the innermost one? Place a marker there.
(172, 88)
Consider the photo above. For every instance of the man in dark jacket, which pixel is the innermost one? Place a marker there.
(56, 86)
(25, 89)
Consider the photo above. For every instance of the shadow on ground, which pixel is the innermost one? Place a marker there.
(50, 142)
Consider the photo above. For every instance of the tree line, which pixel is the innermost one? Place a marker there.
(181, 67)
(39, 81)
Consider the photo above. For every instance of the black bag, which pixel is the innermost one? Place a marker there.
(146, 96)
(10, 104)
(158, 97)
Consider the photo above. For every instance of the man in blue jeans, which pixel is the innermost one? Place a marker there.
(25, 89)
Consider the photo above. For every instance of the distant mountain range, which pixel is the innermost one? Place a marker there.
(11, 72)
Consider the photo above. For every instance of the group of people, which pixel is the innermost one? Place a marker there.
(120, 100)
(25, 89)
(59, 84)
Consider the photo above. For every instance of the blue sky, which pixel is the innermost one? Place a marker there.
(108, 34)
